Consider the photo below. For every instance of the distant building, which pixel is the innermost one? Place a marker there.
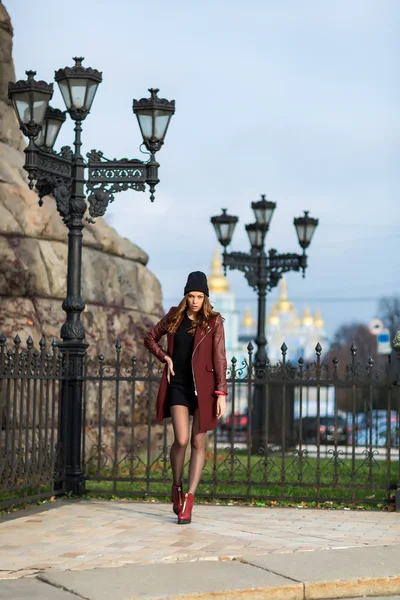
(300, 334)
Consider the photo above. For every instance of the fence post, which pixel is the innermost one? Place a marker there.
(396, 347)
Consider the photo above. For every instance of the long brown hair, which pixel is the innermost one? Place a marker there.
(201, 319)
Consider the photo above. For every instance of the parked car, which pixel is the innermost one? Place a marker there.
(375, 416)
(331, 430)
(239, 421)
(378, 436)
(352, 428)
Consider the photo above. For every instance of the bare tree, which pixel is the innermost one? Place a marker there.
(366, 344)
(389, 312)
(357, 334)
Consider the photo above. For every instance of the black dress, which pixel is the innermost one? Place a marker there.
(181, 390)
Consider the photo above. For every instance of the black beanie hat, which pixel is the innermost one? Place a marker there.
(197, 282)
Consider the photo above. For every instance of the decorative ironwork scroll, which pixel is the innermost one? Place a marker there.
(108, 177)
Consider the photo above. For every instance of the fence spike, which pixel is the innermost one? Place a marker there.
(233, 361)
(284, 349)
(3, 339)
(353, 349)
(301, 361)
(29, 343)
(318, 349)
(42, 342)
(250, 347)
(17, 340)
(118, 345)
(101, 357)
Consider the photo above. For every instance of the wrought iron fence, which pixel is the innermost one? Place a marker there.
(329, 432)
(31, 463)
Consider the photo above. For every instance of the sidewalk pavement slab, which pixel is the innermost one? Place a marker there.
(337, 573)
(88, 534)
(139, 547)
(222, 580)
(32, 589)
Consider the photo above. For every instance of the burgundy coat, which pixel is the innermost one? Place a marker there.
(208, 362)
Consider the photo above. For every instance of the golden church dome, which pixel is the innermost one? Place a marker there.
(282, 305)
(318, 320)
(307, 318)
(217, 283)
(248, 322)
(273, 318)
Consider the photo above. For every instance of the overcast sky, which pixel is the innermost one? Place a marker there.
(298, 99)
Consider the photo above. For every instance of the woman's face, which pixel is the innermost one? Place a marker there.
(195, 301)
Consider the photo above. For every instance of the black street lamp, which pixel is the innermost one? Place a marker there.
(62, 174)
(263, 272)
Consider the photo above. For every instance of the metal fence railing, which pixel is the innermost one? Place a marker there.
(30, 388)
(327, 432)
(314, 430)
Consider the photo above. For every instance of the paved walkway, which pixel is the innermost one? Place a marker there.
(98, 533)
(78, 545)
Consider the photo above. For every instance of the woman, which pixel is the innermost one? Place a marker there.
(193, 382)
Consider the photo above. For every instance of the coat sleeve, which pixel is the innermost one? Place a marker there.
(155, 334)
(219, 356)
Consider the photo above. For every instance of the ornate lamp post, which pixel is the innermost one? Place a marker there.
(62, 174)
(263, 271)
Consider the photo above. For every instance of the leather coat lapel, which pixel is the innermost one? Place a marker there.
(199, 335)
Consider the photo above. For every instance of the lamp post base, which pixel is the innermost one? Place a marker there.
(70, 424)
(74, 484)
(272, 418)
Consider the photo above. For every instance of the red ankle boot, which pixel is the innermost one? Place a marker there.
(185, 515)
(177, 498)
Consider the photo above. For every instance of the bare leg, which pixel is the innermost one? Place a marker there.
(180, 423)
(197, 455)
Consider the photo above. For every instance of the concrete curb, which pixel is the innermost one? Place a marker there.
(326, 590)
(356, 588)
(290, 592)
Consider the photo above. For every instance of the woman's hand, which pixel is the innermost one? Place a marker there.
(221, 405)
(170, 367)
